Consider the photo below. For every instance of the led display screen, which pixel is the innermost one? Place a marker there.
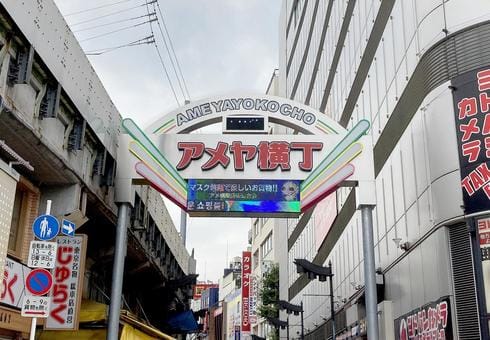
(243, 196)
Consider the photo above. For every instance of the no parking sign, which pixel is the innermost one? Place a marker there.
(39, 281)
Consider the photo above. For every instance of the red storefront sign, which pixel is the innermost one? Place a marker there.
(246, 271)
(67, 283)
(432, 321)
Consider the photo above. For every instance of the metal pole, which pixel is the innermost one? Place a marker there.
(183, 225)
(287, 330)
(118, 272)
(369, 273)
(332, 310)
(32, 335)
(302, 323)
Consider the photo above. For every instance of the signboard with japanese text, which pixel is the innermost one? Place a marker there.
(247, 156)
(200, 287)
(67, 283)
(246, 196)
(431, 321)
(42, 254)
(13, 289)
(35, 306)
(471, 96)
(254, 293)
(318, 161)
(246, 273)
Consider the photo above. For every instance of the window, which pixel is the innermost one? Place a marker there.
(266, 246)
(256, 227)
(255, 260)
(26, 197)
(16, 223)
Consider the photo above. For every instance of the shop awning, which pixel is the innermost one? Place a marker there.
(93, 317)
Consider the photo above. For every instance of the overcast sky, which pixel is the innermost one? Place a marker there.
(223, 46)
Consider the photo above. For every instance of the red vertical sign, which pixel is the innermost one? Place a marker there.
(246, 271)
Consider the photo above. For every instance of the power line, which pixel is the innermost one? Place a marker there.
(161, 59)
(94, 8)
(110, 14)
(118, 30)
(113, 22)
(170, 56)
(173, 50)
(144, 41)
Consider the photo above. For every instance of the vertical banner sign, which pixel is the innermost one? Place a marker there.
(246, 271)
(254, 291)
(484, 237)
(67, 283)
(431, 321)
(471, 97)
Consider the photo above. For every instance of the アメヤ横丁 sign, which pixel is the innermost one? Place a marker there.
(317, 161)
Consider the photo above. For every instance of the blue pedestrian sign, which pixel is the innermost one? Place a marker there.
(68, 228)
(46, 227)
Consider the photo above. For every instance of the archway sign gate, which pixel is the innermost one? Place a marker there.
(247, 171)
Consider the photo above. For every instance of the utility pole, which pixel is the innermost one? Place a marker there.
(118, 272)
(332, 317)
(369, 273)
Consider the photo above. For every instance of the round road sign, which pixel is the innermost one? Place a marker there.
(39, 281)
(46, 227)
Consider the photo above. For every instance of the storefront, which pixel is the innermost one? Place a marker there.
(93, 326)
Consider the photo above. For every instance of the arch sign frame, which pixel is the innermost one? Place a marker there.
(245, 173)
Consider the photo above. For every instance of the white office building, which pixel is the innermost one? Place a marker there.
(417, 71)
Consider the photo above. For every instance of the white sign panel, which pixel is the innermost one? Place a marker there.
(67, 283)
(42, 254)
(12, 289)
(251, 156)
(35, 306)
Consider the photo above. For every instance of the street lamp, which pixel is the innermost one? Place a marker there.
(313, 271)
(280, 324)
(295, 309)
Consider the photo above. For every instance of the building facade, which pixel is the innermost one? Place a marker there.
(59, 134)
(400, 65)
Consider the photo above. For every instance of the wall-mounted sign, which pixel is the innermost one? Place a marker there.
(246, 272)
(14, 276)
(471, 96)
(242, 196)
(432, 320)
(67, 283)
